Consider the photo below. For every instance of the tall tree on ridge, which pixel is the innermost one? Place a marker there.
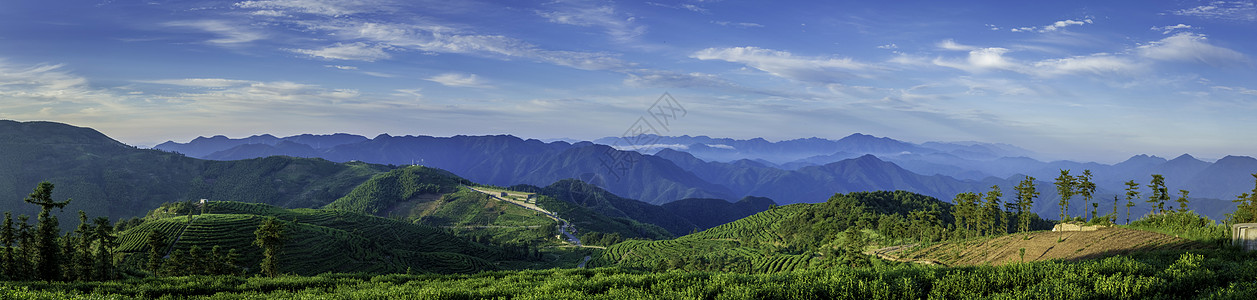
(1087, 189)
(1182, 200)
(1065, 189)
(1159, 193)
(1025, 200)
(1132, 192)
(996, 219)
(48, 256)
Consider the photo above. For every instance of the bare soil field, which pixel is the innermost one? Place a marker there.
(1045, 245)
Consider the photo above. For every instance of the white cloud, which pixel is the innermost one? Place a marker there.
(1190, 47)
(199, 82)
(1169, 29)
(351, 51)
(440, 39)
(1224, 10)
(459, 80)
(786, 65)
(317, 7)
(737, 24)
(341, 67)
(1096, 64)
(268, 13)
(888, 46)
(620, 27)
(1054, 26)
(230, 33)
(950, 44)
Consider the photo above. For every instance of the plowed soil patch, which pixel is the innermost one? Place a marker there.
(1073, 245)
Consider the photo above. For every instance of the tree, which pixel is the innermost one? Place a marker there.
(854, 248)
(1087, 189)
(966, 213)
(105, 269)
(26, 246)
(1159, 193)
(1065, 188)
(1182, 201)
(156, 249)
(1246, 208)
(270, 237)
(997, 220)
(80, 255)
(7, 238)
(48, 258)
(1025, 200)
(1132, 192)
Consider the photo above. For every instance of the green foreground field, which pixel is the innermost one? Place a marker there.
(1203, 274)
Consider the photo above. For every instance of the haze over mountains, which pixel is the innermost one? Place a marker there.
(792, 171)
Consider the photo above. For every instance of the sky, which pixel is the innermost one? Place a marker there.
(1080, 80)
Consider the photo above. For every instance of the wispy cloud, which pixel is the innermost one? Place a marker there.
(439, 39)
(1223, 10)
(1169, 29)
(459, 80)
(1054, 26)
(199, 82)
(317, 7)
(230, 33)
(348, 51)
(620, 27)
(738, 24)
(1192, 48)
(786, 65)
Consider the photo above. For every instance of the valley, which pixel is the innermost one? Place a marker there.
(343, 225)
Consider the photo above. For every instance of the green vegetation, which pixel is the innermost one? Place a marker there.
(383, 192)
(1209, 274)
(319, 241)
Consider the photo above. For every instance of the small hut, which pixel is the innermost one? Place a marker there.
(1244, 235)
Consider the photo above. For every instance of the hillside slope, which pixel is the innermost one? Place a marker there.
(319, 241)
(108, 178)
(1043, 245)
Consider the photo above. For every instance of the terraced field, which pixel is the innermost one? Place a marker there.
(749, 239)
(320, 241)
(1045, 245)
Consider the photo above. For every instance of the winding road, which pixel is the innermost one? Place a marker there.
(566, 229)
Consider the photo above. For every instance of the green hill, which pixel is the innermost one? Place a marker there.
(398, 190)
(108, 178)
(792, 237)
(321, 241)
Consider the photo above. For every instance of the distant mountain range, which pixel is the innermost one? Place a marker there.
(793, 171)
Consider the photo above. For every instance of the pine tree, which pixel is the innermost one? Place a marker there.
(156, 249)
(48, 258)
(7, 238)
(1132, 193)
(1025, 200)
(997, 220)
(270, 237)
(1065, 188)
(1246, 207)
(1182, 200)
(82, 256)
(26, 248)
(1087, 189)
(1159, 193)
(197, 262)
(176, 265)
(105, 269)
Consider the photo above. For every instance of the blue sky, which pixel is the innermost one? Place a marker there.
(1084, 80)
